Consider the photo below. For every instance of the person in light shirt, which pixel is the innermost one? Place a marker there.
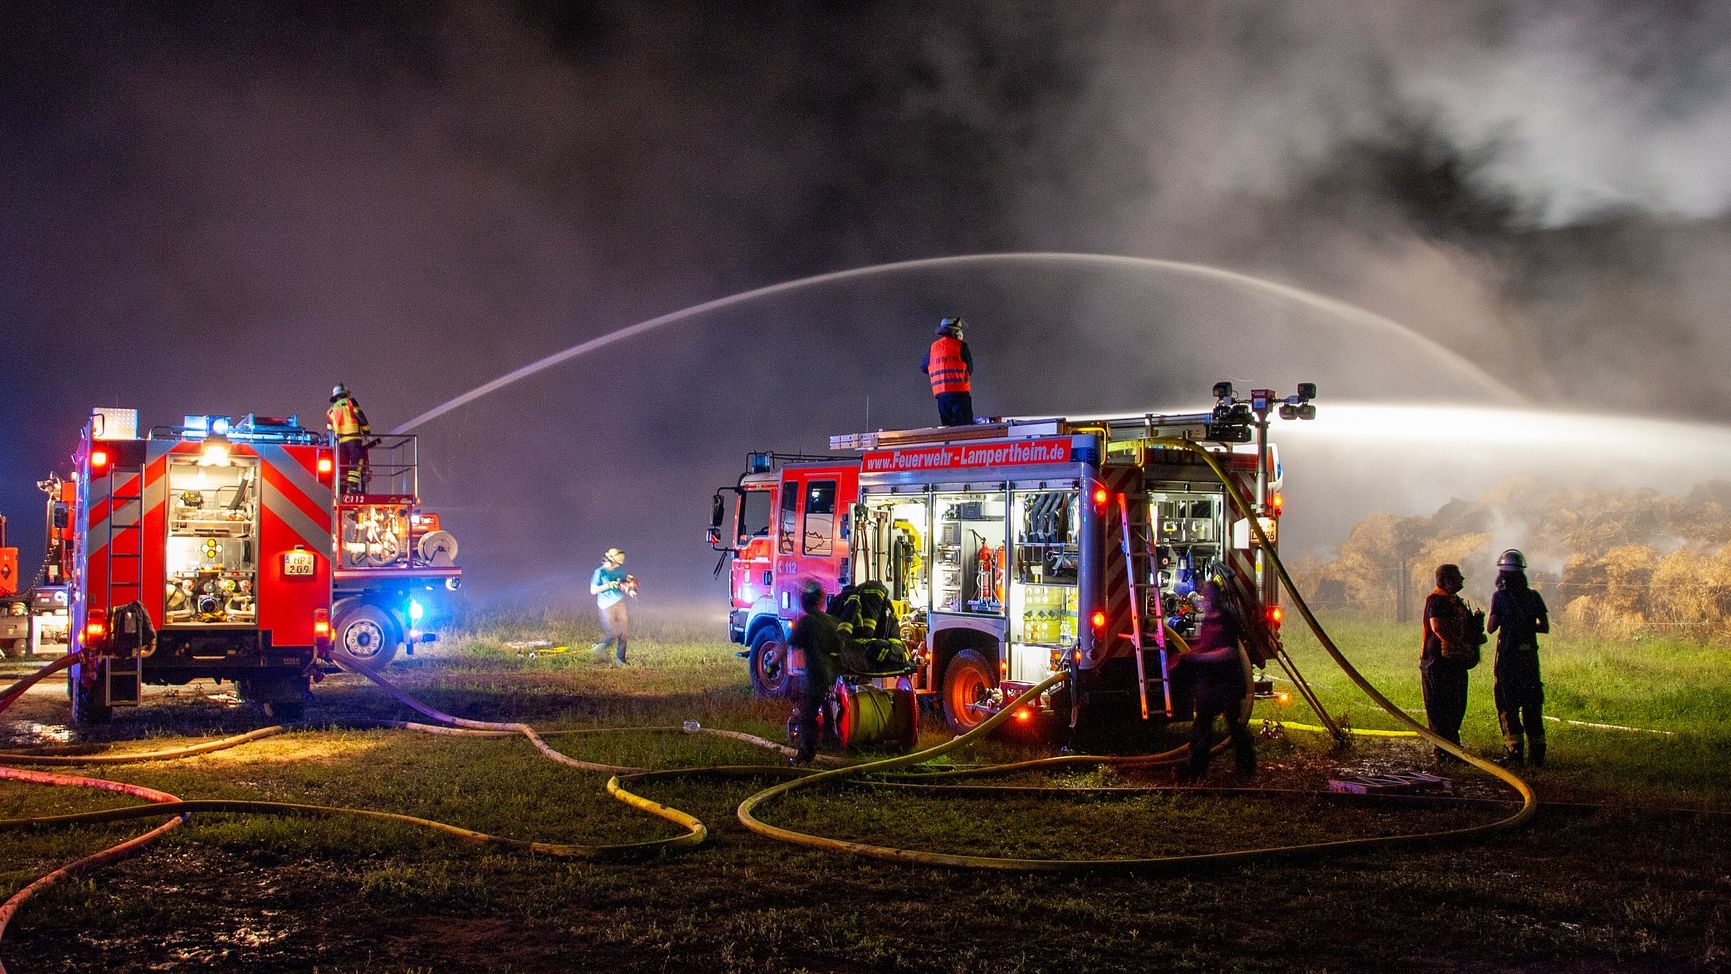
(610, 585)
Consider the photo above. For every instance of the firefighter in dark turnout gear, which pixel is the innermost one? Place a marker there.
(1518, 616)
(1220, 682)
(348, 426)
(1442, 663)
(871, 635)
(819, 636)
(950, 366)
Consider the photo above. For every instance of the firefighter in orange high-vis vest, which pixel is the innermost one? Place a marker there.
(348, 426)
(951, 368)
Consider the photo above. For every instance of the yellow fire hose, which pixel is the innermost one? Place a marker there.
(695, 832)
(1529, 801)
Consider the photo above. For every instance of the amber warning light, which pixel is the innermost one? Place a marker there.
(98, 461)
(325, 465)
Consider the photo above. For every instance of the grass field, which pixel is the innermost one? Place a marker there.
(1629, 868)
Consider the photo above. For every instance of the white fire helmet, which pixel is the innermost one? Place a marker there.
(1512, 561)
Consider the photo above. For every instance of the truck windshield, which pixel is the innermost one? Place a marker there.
(753, 515)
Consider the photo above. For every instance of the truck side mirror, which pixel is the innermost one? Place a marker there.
(717, 510)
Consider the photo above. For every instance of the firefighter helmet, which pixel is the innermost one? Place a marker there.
(338, 391)
(951, 323)
(1512, 561)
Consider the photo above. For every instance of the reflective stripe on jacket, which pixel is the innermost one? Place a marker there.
(947, 369)
(346, 420)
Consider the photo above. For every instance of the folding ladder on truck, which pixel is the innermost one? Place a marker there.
(124, 674)
(1140, 544)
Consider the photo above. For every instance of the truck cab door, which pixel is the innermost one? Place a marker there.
(809, 538)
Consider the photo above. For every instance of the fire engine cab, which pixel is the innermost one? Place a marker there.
(1019, 548)
(221, 549)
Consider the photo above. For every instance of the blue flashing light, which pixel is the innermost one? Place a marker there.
(219, 425)
(197, 424)
(416, 610)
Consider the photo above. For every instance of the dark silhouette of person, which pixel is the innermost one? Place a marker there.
(950, 366)
(818, 635)
(1441, 666)
(1219, 684)
(1518, 616)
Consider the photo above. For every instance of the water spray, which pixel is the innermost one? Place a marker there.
(1492, 386)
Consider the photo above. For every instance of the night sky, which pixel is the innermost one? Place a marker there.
(225, 208)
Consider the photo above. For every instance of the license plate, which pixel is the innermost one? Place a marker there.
(297, 563)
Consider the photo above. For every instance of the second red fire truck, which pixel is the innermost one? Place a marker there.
(1017, 549)
(223, 549)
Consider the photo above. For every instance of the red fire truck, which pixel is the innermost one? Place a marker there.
(221, 549)
(1015, 549)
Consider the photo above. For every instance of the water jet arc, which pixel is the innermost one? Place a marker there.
(1267, 287)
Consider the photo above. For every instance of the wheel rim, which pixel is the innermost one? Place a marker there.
(363, 639)
(966, 689)
(772, 665)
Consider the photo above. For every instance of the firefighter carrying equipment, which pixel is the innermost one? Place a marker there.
(946, 368)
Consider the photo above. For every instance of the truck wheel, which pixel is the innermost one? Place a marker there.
(770, 675)
(366, 636)
(967, 680)
(13, 648)
(85, 709)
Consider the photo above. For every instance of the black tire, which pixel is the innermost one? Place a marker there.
(85, 709)
(966, 681)
(770, 675)
(365, 636)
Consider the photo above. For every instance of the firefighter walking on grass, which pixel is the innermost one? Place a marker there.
(348, 426)
(610, 585)
(950, 366)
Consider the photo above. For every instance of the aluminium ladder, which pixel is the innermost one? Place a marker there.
(1144, 590)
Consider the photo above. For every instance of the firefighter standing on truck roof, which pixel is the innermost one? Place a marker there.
(348, 426)
(951, 368)
(610, 585)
